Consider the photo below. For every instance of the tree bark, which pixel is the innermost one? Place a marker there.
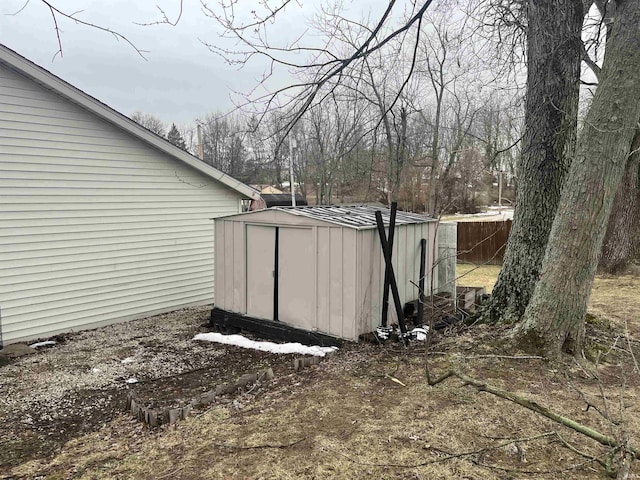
(551, 106)
(621, 238)
(554, 319)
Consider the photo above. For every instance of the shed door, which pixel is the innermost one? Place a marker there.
(261, 244)
(296, 304)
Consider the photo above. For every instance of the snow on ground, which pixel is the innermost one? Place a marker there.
(283, 348)
(493, 214)
(46, 343)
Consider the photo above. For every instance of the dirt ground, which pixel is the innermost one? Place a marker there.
(365, 412)
(81, 383)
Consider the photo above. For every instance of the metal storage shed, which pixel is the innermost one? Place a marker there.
(327, 261)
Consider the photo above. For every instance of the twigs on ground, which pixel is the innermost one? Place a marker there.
(447, 456)
(532, 472)
(506, 357)
(590, 405)
(530, 405)
(629, 340)
(579, 452)
(626, 452)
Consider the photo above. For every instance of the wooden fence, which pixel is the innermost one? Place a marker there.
(482, 242)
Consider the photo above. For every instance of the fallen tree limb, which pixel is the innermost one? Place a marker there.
(506, 357)
(258, 447)
(533, 406)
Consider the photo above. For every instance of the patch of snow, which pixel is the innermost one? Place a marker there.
(283, 348)
(132, 380)
(96, 370)
(46, 343)
(127, 360)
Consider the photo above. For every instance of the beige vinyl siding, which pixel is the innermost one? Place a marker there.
(95, 225)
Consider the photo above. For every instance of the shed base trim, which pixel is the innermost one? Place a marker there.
(271, 329)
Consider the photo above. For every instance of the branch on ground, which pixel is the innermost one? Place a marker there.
(626, 452)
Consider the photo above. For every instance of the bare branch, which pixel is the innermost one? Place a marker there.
(165, 19)
(56, 12)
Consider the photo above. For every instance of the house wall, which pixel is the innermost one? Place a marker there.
(95, 226)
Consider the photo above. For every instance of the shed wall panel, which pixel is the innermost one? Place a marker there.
(220, 274)
(261, 246)
(228, 264)
(296, 273)
(336, 276)
(447, 249)
(369, 299)
(323, 282)
(406, 262)
(95, 226)
(349, 281)
(238, 254)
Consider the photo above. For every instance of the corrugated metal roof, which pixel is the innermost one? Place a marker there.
(354, 216)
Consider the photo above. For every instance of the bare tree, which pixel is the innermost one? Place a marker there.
(554, 318)
(150, 122)
(224, 142)
(60, 15)
(331, 132)
(554, 51)
(326, 64)
(622, 238)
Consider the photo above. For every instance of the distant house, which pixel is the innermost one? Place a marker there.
(267, 189)
(268, 200)
(100, 219)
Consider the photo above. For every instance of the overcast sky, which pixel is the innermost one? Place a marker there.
(180, 80)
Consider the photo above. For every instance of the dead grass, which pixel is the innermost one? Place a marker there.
(347, 419)
(471, 275)
(613, 298)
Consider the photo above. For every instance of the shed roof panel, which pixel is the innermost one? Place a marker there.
(360, 217)
(355, 216)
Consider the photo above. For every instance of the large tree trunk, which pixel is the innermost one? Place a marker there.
(621, 238)
(553, 73)
(554, 319)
